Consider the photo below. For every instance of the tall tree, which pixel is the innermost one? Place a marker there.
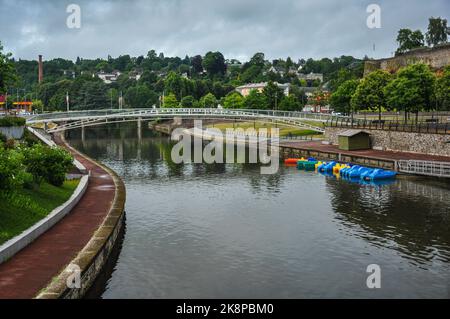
(233, 101)
(370, 92)
(214, 63)
(290, 103)
(273, 95)
(437, 31)
(8, 74)
(208, 101)
(408, 40)
(197, 64)
(341, 98)
(412, 90)
(443, 89)
(255, 100)
(170, 101)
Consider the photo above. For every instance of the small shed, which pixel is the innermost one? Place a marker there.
(352, 140)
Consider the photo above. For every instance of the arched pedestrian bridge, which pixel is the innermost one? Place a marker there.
(80, 119)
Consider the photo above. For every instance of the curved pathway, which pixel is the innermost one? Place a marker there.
(32, 269)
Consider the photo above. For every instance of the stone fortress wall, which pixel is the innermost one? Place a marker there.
(437, 58)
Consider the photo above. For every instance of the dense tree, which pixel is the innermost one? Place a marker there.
(412, 90)
(197, 64)
(437, 31)
(148, 78)
(408, 40)
(140, 96)
(255, 100)
(299, 94)
(8, 74)
(443, 89)
(170, 101)
(370, 92)
(214, 63)
(233, 101)
(188, 102)
(208, 101)
(290, 103)
(273, 95)
(93, 96)
(341, 99)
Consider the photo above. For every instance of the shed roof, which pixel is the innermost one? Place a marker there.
(350, 133)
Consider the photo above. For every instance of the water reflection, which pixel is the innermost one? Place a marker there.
(225, 231)
(397, 216)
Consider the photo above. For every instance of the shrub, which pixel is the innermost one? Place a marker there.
(12, 170)
(10, 144)
(12, 121)
(29, 138)
(3, 138)
(50, 164)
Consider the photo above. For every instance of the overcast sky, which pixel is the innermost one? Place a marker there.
(237, 28)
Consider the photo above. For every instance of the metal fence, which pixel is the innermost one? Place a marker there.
(421, 127)
(429, 168)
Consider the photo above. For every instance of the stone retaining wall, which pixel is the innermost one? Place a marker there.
(437, 58)
(432, 144)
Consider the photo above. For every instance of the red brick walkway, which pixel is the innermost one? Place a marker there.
(390, 155)
(33, 268)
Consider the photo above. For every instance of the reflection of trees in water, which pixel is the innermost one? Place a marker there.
(119, 142)
(416, 226)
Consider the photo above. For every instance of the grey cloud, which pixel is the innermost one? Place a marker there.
(296, 28)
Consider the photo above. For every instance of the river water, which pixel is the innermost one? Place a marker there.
(225, 231)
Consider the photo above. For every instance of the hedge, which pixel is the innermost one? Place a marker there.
(11, 121)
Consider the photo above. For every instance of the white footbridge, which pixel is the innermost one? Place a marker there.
(80, 119)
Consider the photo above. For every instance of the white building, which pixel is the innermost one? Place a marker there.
(109, 78)
(245, 90)
(311, 76)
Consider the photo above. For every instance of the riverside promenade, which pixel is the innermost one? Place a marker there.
(31, 270)
(317, 146)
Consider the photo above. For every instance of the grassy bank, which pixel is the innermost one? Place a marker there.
(284, 130)
(21, 209)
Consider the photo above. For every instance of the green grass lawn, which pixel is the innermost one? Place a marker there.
(23, 208)
(284, 130)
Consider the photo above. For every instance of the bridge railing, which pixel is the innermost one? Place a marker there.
(74, 115)
(388, 125)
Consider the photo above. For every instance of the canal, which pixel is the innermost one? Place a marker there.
(225, 231)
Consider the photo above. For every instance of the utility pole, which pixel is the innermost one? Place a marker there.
(6, 102)
(67, 101)
(120, 101)
(276, 101)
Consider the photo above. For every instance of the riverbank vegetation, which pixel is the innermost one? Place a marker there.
(412, 89)
(22, 208)
(10, 121)
(32, 183)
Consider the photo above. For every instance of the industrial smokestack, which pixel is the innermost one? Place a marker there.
(41, 70)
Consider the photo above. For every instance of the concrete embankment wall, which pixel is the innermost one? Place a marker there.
(14, 132)
(432, 144)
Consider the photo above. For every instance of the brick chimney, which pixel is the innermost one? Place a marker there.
(41, 70)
